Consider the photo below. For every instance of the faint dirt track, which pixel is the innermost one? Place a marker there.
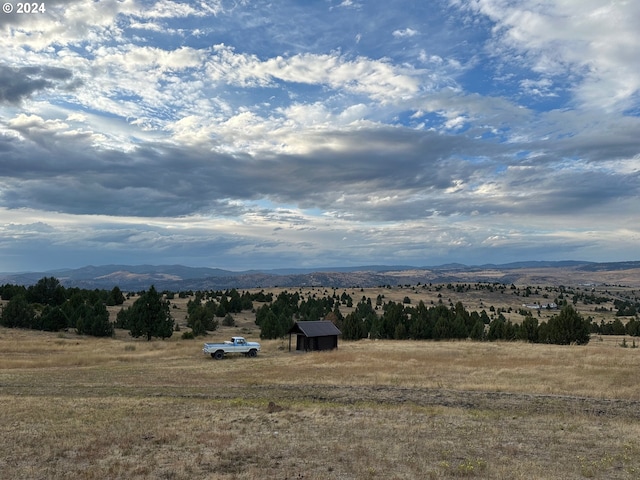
(500, 401)
(516, 403)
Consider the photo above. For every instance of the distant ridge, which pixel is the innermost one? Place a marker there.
(361, 268)
(598, 267)
(539, 264)
(180, 277)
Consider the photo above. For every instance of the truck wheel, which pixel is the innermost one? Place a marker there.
(252, 353)
(218, 355)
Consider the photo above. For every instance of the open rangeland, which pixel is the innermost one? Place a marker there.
(80, 407)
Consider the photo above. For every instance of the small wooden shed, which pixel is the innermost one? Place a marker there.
(315, 335)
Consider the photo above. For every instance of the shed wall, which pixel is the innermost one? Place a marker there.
(316, 343)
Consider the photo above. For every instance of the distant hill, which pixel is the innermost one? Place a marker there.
(599, 267)
(539, 264)
(180, 277)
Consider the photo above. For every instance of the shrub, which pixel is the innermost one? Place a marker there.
(228, 321)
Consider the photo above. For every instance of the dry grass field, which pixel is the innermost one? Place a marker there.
(121, 408)
(79, 407)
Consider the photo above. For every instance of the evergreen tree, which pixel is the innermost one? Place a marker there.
(477, 332)
(276, 319)
(442, 329)
(497, 329)
(149, 316)
(122, 319)
(47, 291)
(376, 329)
(421, 326)
(394, 315)
(221, 310)
(18, 313)
(235, 302)
(116, 297)
(8, 291)
(353, 327)
(95, 321)
(269, 325)
(201, 318)
(633, 327)
(246, 302)
(459, 328)
(529, 329)
(53, 319)
(568, 327)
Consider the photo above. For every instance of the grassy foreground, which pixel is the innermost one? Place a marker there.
(80, 407)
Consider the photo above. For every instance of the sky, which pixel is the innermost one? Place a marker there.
(268, 134)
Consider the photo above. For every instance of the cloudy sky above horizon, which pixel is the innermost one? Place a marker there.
(254, 134)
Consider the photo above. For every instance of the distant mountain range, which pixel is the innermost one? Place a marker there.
(179, 277)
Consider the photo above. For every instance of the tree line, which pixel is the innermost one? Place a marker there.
(439, 322)
(49, 306)
(403, 321)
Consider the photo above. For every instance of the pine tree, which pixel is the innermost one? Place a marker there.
(18, 313)
(149, 316)
(568, 327)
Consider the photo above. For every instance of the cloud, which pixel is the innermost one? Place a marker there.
(407, 32)
(540, 87)
(300, 134)
(18, 84)
(102, 185)
(345, 172)
(349, 4)
(375, 78)
(169, 9)
(593, 43)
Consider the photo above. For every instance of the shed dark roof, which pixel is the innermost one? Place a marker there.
(320, 328)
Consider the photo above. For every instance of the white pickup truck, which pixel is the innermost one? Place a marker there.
(235, 345)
